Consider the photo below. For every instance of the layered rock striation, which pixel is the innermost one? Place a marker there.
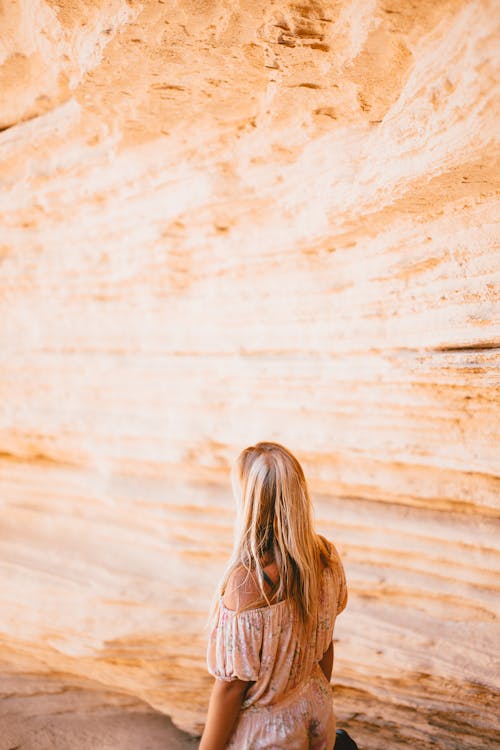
(227, 222)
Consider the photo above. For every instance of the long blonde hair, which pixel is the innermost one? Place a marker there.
(275, 521)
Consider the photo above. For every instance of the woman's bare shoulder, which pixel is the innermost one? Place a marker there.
(242, 589)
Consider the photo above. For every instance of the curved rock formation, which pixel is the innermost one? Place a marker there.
(231, 221)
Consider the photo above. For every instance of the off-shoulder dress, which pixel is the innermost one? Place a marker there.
(289, 703)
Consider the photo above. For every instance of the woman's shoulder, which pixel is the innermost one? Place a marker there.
(328, 552)
(243, 590)
(337, 574)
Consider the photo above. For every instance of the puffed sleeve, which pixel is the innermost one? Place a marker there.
(234, 645)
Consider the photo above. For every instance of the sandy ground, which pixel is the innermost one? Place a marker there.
(63, 712)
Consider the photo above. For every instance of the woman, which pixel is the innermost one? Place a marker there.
(270, 647)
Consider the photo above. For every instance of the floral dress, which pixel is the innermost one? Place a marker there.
(289, 705)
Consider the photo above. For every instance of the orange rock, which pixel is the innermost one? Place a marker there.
(222, 223)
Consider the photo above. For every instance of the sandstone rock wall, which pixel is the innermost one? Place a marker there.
(227, 222)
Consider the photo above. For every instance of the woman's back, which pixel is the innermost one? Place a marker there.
(267, 646)
(270, 646)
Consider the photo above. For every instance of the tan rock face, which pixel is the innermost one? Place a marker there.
(225, 222)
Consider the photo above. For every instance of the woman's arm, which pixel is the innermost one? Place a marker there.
(326, 662)
(223, 709)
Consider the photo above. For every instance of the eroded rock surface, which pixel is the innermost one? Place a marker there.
(57, 711)
(225, 222)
